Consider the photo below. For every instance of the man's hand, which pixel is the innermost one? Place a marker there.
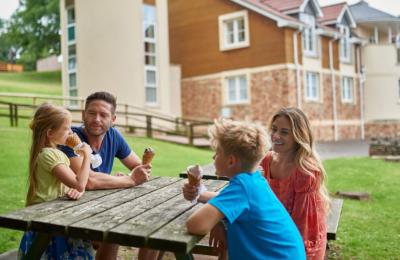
(190, 192)
(141, 174)
(74, 194)
(218, 240)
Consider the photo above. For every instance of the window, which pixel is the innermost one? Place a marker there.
(237, 89)
(347, 90)
(150, 57)
(345, 44)
(233, 31)
(72, 62)
(312, 86)
(309, 37)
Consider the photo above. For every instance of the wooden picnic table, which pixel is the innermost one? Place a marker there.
(151, 215)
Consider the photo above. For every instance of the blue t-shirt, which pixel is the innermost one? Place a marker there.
(113, 145)
(259, 227)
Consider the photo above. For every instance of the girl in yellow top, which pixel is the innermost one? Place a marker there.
(50, 177)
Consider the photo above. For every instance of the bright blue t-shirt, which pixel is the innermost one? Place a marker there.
(113, 145)
(259, 227)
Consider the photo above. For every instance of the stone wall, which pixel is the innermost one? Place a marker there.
(270, 90)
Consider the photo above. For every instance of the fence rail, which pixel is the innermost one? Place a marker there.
(130, 121)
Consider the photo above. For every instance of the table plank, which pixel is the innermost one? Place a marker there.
(59, 221)
(21, 218)
(96, 226)
(174, 235)
(135, 231)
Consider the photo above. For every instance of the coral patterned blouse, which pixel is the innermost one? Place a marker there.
(298, 193)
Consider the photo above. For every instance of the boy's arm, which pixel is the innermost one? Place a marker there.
(203, 220)
(206, 196)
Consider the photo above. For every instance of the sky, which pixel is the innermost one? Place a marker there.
(7, 7)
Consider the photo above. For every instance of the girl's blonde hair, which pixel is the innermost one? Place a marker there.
(47, 117)
(247, 141)
(306, 157)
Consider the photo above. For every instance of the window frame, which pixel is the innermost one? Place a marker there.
(347, 89)
(345, 46)
(238, 99)
(72, 89)
(309, 36)
(233, 17)
(308, 89)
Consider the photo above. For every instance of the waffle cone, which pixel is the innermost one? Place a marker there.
(147, 156)
(193, 180)
(73, 140)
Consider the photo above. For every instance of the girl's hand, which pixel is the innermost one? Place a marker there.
(84, 150)
(218, 239)
(74, 194)
(190, 192)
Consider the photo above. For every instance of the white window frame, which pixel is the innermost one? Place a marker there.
(398, 89)
(237, 99)
(150, 67)
(345, 47)
(309, 35)
(233, 17)
(347, 89)
(73, 70)
(309, 86)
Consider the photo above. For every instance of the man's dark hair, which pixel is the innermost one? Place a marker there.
(105, 96)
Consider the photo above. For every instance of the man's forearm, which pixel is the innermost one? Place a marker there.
(98, 181)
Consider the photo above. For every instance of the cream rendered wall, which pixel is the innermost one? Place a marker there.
(110, 49)
(175, 93)
(381, 85)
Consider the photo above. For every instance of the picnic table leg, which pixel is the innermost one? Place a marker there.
(38, 246)
(184, 256)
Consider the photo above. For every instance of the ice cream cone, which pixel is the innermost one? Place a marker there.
(194, 174)
(148, 155)
(73, 140)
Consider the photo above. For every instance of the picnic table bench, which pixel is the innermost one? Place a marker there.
(332, 220)
(151, 215)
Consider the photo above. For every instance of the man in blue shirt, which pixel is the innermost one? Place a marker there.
(258, 226)
(97, 130)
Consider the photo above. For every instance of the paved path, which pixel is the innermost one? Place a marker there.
(354, 148)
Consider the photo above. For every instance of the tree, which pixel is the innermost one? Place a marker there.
(33, 30)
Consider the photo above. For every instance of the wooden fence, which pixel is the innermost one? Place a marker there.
(130, 121)
(8, 67)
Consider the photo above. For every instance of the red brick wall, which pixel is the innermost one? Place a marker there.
(269, 91)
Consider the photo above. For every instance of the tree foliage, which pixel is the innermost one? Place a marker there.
(33, 31)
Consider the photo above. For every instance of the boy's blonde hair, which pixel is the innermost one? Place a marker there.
(247, 141)
(47, 117)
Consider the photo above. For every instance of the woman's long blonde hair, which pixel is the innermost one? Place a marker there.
(306, 157)
(47, 117)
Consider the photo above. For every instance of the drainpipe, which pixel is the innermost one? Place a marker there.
(296, 64)
(332, 70)
(361, 85)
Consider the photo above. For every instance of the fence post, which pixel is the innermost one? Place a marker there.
(34, 101)
(16, 114)
(148, 127)
(10, 106)
(190, 134)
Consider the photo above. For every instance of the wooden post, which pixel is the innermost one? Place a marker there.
(16, 114)
(11, 114)
(190, 134)
(148, 126)
(34, 101)
(126, 115)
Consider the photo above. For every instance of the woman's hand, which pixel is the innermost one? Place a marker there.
(218, 240)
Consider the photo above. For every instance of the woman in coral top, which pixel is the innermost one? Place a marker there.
(296, 175)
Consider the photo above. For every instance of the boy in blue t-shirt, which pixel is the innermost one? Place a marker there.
(258, 226)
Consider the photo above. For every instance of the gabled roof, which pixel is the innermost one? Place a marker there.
(293, 6)
(334, 14)
(363, 12)
(269, 12)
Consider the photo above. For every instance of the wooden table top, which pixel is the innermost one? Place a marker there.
(149, 215)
